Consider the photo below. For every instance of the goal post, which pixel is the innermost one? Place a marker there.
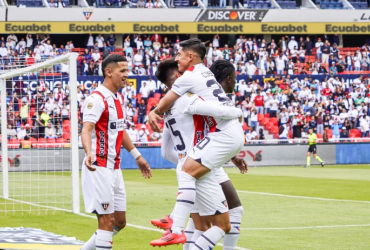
(73, 147)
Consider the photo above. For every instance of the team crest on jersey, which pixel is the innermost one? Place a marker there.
(90, 105)
(87, 13)
(225, 203)
(189, 94)
(105, 206)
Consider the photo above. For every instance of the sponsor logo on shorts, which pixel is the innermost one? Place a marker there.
(105, 206)
(237, 228)
(224, 202)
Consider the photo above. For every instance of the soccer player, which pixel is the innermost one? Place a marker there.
(312, 148)
(225, 140)
(189, 124)
(103, 135)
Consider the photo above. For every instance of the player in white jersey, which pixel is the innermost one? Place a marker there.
(225, 140)
(182, 119)
(102, 137)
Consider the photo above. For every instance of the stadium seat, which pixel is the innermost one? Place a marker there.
(260, 117)
(268, 126)
(41, 143)
(14, 143)
(245, 126)
(66, 128)
(66, 136)
(275, 130)
(267, 115)
(263, 122)
(274, 120)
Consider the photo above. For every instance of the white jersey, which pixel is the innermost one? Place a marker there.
(186, 121)
(104, 109)
(200, 80)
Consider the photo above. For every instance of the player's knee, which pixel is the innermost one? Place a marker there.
(107, 220)
(225, 227)
(121, 224)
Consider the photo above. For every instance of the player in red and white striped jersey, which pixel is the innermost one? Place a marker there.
(103, 135)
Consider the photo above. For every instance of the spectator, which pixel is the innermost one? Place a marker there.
(100, 40)
(364, 124)
(96, 56)
(143, 134)
(50, 132)
(251, 135)
(21, 133)
(283, 133)
(261, 136)
(24, 113)
(11, 133)
(344, 134)
(335, 128)
(259, 102)
(59, 131)
(106, 51)
(132, 133)
(235, 4)
(155, 136)
(142, 112)
(144, 91)
(333, 69)
(251, 68)
(149, 4)
(254, 118)
(140, 4)
(157, 4)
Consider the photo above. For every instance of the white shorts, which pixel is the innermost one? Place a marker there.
(219, 147)
(210, 198)
(103, 190)
(220, 175)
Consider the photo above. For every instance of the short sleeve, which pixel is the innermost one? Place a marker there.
(183, 84)
(93, 109)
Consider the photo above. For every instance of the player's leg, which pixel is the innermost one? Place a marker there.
(213, 205)
(235, 212)
(308, 157)
(319, 159)
(98, 193)
(201, 224)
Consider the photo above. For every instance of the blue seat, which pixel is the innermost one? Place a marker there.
(21, 2)
(251, 6)
(324, 5)
(253, 2)
(266, 5)
(258, 6)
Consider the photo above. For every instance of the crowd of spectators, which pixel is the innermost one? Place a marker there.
(339, 107)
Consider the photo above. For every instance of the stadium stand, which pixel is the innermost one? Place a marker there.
(281, 106)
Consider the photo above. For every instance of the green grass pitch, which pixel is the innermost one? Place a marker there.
(296, 218)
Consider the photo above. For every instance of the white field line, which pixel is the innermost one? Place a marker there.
(94, 217)
(301, 197)
(297, 228)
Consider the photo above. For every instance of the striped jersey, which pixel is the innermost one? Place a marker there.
(200, 80)
(105, 109)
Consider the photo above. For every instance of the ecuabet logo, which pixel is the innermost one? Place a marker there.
(87, 13)
(225, 15)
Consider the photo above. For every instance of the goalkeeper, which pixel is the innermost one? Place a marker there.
(312, 148)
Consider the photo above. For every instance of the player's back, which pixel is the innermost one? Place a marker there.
(200, 80)
(185, 129)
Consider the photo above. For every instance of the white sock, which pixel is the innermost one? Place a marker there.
(231, 239)
(103, 240)
(185, 201)
(189, 230)
(171, 215)
(209, 239)
(90, 244)
(195, 237)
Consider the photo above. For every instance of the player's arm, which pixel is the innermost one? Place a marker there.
(164, 105)
(92, 110)
(140, 161)
(86, 143)
(199, 107)
(167, 148)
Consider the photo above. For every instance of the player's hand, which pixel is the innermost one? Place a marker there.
(241, 164)
(88, 162)
(144, 167)
(153, 118)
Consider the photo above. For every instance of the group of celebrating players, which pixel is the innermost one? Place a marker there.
(202, 132)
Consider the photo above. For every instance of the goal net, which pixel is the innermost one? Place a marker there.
(39, 169)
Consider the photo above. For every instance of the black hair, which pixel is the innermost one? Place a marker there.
(113, 58)
(165, 70)
(222, 69)
(195, 45)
